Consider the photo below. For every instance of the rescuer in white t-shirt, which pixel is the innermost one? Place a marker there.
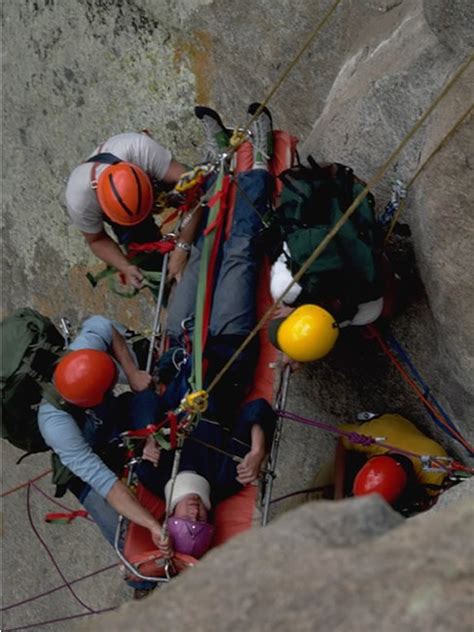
(117, 184)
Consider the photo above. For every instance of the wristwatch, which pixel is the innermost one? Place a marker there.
(183, 245)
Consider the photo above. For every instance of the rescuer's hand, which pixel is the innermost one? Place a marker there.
(133, 276)
(151, 451)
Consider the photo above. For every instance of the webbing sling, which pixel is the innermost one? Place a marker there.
(212, 238)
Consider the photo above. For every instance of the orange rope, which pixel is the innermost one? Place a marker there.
(416, 389)
(37, 478)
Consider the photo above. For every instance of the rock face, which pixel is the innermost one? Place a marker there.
(350, 565)
(90, 69)
(87, 69)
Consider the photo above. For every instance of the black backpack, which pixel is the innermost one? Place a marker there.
(31, 346)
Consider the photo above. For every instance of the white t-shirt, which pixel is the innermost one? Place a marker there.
(138, 148)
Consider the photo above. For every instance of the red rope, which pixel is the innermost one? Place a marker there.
(60, 587)
(162, 246)
(66, 584)
(37, 478)
(58, 620)
(50, 555)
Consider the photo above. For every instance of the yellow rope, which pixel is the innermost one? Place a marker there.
(332, 233)
(441, 144)
(239, 137)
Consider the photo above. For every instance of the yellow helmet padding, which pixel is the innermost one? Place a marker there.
(403, 434)
(307, 334)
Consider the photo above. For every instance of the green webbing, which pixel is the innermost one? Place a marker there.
(151, 279)
(196, 377)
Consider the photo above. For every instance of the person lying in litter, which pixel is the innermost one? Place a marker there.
(243, 430)
(117, 186)
(85, 461)
(215, 464)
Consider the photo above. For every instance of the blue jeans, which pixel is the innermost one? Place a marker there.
(233, 307)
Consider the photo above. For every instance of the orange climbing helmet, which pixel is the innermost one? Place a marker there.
(383, 475)
(83, 377)
(125, 193)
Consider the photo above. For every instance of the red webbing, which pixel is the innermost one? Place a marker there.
(219, 224)
(66, 517)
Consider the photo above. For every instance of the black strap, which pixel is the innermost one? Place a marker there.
(313, 164)
(24, 457)
(105, 158)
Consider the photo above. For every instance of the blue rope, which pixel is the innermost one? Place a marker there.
(403, 355)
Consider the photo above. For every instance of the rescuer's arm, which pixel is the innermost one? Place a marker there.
(126, 504)
(106, 249)
(138, 380)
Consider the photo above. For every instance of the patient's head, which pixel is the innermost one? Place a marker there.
(189, 503)
(191, 507)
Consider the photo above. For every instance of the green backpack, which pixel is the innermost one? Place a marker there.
(313, 199)
(31, 345)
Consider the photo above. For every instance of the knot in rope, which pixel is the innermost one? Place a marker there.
(195, 402)
(356, 438)
(238, 137)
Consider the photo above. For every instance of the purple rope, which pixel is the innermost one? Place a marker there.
(53, 500)
(353, 437)
(73, 616)
(66, 583)
(45, 546)
(48, 592)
